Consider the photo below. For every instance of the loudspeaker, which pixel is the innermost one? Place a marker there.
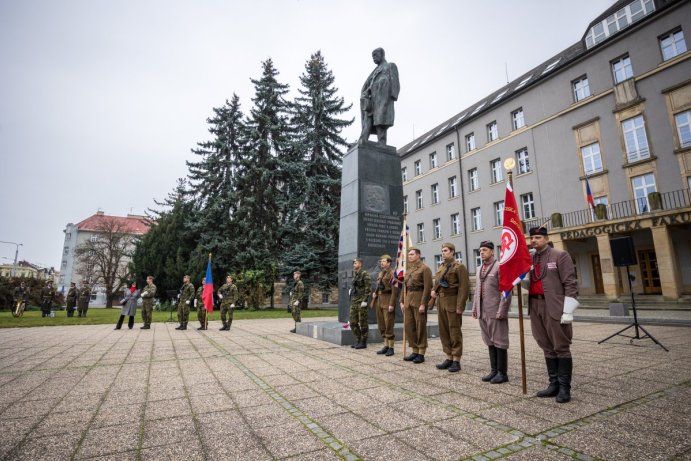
(623, 252)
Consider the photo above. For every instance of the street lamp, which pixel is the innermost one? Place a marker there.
(16, 253)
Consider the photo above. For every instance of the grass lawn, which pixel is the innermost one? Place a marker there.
(99, 316)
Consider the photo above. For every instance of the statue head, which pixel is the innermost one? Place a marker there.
(378, 55)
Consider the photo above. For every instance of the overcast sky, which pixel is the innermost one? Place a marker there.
(101, 101)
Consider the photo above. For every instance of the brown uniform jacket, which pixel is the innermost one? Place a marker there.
(559, 279)
(418, 283)
(459, 286)
(387, 296)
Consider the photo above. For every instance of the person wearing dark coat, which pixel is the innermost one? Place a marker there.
(129, 306)
(71, 300)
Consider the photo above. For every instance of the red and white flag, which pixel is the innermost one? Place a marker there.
(514, 259)
(404, 244)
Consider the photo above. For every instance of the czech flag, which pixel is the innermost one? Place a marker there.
(589, 194)
(514, 260)
(208, 293)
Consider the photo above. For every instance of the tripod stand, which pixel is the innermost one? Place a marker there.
(635, 323)
(172, 295)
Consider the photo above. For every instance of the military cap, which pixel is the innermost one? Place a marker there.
(357, 258)
(538, 231)
(414, 249)
(487, 244)
(450, 246)
(297, 272)
(385, 256)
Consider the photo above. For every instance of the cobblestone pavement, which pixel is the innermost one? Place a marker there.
(259, 392)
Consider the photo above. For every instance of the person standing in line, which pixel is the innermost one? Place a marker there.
(452, 287)
(360, 292)
(21, 296)
(552, 298)
(492, 312)
(384, 300)
(418, 286)
(228, 294)
(47, 296)
(148, 295)
(84, 298)
(71, 299)
(199, 303)
(129, 306)
(296, 299)
(186, 299)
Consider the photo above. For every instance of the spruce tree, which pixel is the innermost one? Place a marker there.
(316, 117)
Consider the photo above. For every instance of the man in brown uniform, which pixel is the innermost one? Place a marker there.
(493, 312)
(452, 287)
(551, 280)
(418, 285)
(383, 300)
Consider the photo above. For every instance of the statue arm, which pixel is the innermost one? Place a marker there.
(395, 85)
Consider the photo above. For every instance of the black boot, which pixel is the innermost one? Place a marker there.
(564, 378)
(119, 324)
(389, 353)
(492, 364)
(355, 344)
(383, 350)
(411, 357)
(130, 322)
(223, 328)
(553, 389)
(179, 327)
(444, 365)
(419, 358)
(362, 344)
(501, 376)
(455, 367)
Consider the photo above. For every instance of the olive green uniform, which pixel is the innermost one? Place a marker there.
(47, 296)
(386, 295)
(186, 297)
(451, 301)
(71, 301)
(201, 309)
(83, 301)
(296, 300)
(229, 296)
(418, 286)
(360, 292)
(148, 294)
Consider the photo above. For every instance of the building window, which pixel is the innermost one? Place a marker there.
(469, 142)
(499, 214)
(404, 174)
(94, 238)
(528, 205)
(621, 69)
(478, 259)
(476, 219)
(437, 261)
(455, 224)
(64, 264)
(421, 232)
(672, 44)
(66, 250)
(473, 179)
(433, 160)
(592, 160)
(517, 119)
(683, 121)
(581, 89)
(418, 168)
(405, 204)
(495, 171)
(642, 186)
(68, 235)
(619, 20)
(418, 199)
(492, 132)
(435, 194)
(635, 139)
(450, 152)
(436, 225)
(601, 200)
(458, 256)
(453, 187)
(523, 161)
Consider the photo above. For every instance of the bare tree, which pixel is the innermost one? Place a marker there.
(104, 259)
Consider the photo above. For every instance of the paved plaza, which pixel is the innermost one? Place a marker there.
(261, 393)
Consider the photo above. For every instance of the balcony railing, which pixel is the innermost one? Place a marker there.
(640, 207)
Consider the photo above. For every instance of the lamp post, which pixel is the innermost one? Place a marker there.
(16, 253)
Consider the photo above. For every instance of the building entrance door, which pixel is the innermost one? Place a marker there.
(647, 261)
(597, 274)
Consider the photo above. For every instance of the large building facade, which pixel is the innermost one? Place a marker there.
(612, 113)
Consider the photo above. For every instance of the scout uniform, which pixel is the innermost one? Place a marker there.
(148, 294)
(229, 296)
(360, 291)
(386, 295)
(418, 285)
(186, 298)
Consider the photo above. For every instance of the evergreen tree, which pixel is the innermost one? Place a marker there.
(313, 247)
(264, 175)
(213, 186)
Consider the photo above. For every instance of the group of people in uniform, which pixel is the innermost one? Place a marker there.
(552, 290)
(76, 299)
(188, 299)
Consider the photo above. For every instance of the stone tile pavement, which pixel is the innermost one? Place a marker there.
(259, 392)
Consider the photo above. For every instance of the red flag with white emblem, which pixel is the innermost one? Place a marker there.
(514, 260)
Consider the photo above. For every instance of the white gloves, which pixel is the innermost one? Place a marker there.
(220, 296)
(363, 304)
(525, 283)
(187, 302)
(570, 305)
(232, 306)
(296, 303)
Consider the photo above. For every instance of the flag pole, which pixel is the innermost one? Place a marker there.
(520, 316)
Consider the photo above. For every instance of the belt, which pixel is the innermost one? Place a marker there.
(415, 288)
(448, 293)
(536, 296)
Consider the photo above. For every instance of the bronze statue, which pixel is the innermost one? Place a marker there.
(377, 97)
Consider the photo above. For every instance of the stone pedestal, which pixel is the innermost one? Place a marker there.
(371, 215)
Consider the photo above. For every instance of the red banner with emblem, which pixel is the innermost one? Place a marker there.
(514, 260)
